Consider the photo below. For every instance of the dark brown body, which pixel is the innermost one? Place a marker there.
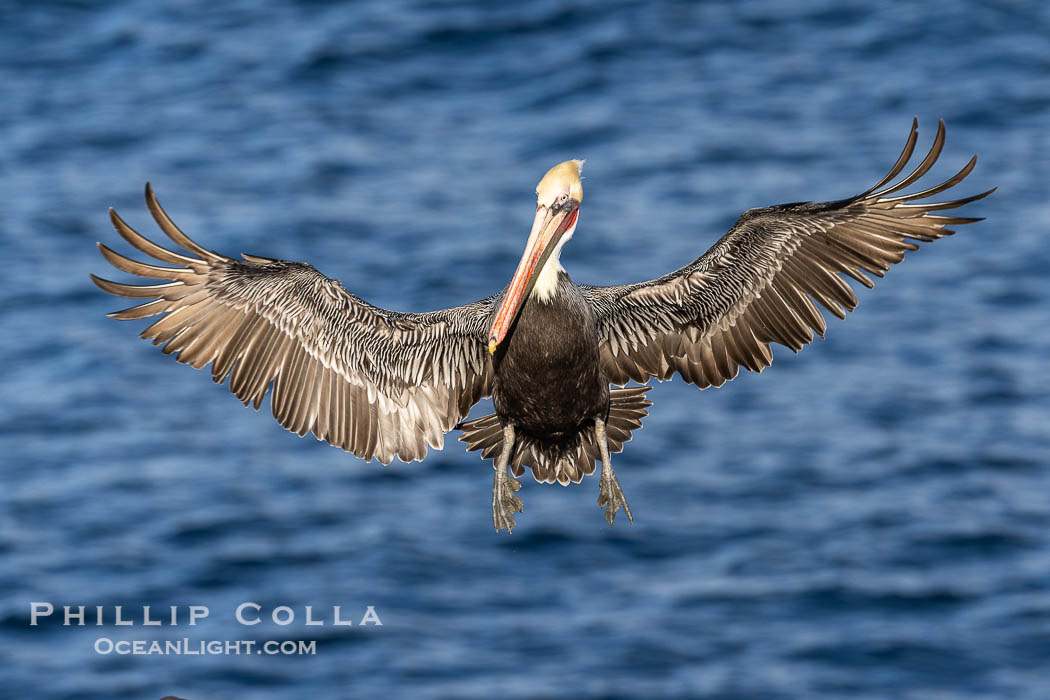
(548, 381)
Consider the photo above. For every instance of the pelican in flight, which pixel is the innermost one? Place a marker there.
(555, 356)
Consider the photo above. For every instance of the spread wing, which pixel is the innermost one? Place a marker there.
(758, 284)
(377, 383)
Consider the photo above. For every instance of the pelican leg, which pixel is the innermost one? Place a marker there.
(610, 495)
(504, 502)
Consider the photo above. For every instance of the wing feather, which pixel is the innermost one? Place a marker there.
(758, 284)
(378, 383)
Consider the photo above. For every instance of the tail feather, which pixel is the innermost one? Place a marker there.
(566, 464)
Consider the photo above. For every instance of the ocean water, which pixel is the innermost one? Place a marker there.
(869, 518)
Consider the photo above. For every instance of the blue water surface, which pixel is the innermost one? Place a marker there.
(869, 518)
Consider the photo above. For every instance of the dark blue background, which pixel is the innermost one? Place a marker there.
(870, 518)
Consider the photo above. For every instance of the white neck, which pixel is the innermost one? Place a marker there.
(547, 279)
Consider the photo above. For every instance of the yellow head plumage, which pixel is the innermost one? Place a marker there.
(563, 178)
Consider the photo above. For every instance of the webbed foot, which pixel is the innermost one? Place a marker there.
(611, 498)
(504, 503)
(610, 495)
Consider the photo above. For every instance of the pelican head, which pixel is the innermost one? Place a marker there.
(561, 181)
(558, 197)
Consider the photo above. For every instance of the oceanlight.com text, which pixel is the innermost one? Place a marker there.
(213, 647)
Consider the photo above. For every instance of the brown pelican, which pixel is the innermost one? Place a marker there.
(385, 384)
